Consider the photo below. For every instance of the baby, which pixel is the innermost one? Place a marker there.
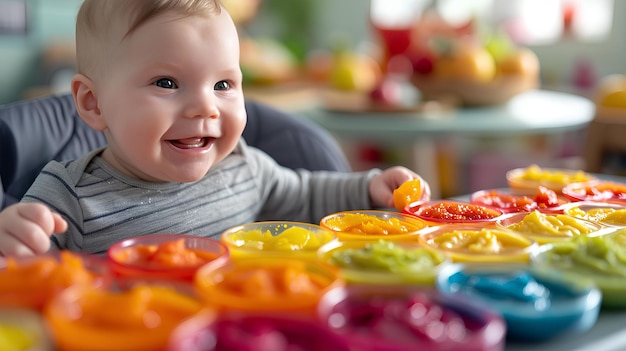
(162, 80)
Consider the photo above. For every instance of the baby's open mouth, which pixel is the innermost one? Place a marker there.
(191, 143)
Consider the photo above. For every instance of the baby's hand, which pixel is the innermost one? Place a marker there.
(25, 229)
(381, 187)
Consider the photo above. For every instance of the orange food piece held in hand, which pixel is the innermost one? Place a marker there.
(407, 193)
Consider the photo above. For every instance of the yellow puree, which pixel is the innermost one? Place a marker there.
(535, 173)
(480, 241)
(606, 215)
(557, 225)
(290, 239)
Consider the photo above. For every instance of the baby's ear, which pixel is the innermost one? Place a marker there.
(86, 102)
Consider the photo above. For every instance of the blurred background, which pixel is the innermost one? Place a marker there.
(291, 50)
(36, 36)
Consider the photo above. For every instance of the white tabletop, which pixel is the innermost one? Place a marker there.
(535, 111)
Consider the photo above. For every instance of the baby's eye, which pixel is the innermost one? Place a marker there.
(165, 83)
(222, 85)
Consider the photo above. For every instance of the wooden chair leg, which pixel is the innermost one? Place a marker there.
(593, 153)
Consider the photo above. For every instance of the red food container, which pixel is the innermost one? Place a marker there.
(449, 212)
(596, 190)
(165, 256)
(543, 199)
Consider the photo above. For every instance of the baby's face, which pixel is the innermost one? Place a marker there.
(172, 99)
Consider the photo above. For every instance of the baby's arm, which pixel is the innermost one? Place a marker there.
(382, 185)
(25, 229)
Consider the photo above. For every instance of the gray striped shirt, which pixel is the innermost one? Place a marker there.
(103, 206)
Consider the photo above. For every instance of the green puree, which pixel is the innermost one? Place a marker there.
(387, 256)
(592, 255)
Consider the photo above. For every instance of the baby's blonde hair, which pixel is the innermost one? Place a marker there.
(102, 24)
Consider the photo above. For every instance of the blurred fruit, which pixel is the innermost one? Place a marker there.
(522, 61)
(387, 92)
(351, 71)
(499, 45)
(267, 61)
(399, 65)
(318, 65)
(422, 63)
(471, 63)
(611, 91)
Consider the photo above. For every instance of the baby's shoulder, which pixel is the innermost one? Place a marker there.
(72, 170)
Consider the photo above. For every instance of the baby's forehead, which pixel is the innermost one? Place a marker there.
(104, 26)
(125, 17)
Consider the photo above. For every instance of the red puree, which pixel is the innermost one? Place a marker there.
(544, 198)
(457, 211)
(259, 333)
(417, 321)
(605, 191)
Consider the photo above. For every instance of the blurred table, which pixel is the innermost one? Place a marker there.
(532, 112)
(608, 334)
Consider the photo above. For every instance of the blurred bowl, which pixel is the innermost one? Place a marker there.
(254, 331)
(24, 329)
(450, 212)
(530, 178)
(475, 243)
(608, 214)
(401, 318)
(596, 190)
(30, 282)
(294, 239)
(164, 256)
(384, 262)
(599, 258)
(372, 225)
(470, 93)
(542, 199)
(546, 227)
(138, 317)
(266, 284)
(537, 305)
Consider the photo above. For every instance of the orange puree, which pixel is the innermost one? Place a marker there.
(141, 318)
(266, 284)
(361, 223)
(172, 254)
(31, 282)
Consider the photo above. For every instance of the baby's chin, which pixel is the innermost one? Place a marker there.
(188, 176)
